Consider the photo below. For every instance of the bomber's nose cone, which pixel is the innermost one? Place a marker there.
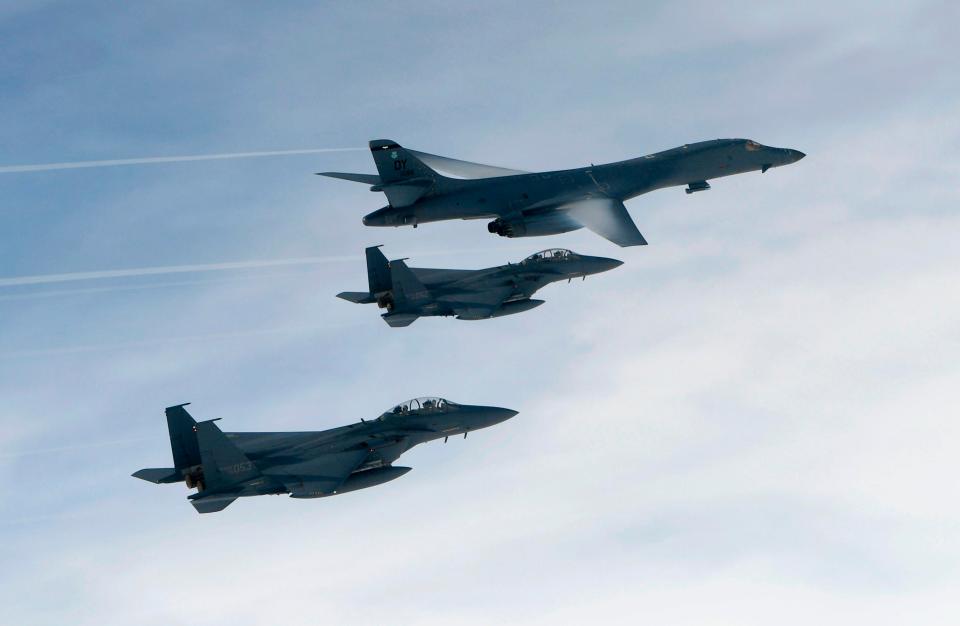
(797, 155)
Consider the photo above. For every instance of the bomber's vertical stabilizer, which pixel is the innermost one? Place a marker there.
(403, 177)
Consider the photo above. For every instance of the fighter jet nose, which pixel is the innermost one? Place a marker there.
(601, 264)
(498, 414)
(366, 222)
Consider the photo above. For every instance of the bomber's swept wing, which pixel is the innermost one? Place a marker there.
(463, 169)
(608, 218)
(320, 476)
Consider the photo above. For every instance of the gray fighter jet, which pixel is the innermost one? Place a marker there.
(411, 292)
(313, 464)
(527, 204)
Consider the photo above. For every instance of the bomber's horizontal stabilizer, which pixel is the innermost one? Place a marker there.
(159, 475)
(366, 179)
(358, 297)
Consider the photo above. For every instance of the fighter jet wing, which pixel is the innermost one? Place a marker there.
(320, 476)
(463, 169)
(608, 218)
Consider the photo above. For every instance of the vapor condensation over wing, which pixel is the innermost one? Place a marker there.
(42, 167)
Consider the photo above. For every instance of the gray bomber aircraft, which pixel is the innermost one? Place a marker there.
(524, 204)
(312, 464)
(411, 292)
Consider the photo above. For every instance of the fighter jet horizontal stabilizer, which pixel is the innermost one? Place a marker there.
(158, 475)
(358, 297)
(211, 503)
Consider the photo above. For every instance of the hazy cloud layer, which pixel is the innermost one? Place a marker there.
(751, 421)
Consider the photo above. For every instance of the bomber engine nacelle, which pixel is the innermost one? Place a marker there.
(533, 226)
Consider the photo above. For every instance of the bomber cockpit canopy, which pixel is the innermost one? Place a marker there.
(419, 405)
(553, 254)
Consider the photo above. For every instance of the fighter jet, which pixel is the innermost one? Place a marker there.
(411, 292)
(314, 464)
(524, 204)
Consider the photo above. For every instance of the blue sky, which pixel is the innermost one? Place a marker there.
(752, 420)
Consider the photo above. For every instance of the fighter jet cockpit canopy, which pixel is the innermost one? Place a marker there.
(553, 254)
(418, 406)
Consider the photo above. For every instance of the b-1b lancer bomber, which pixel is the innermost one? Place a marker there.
(314, 464)
(524, 204)
(411, 292)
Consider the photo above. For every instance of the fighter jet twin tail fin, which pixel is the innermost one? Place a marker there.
(406, 290)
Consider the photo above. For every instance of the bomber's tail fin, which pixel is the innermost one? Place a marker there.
(225, 466)
(404, 178)
(395, 163)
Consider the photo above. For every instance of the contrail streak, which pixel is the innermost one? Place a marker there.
(71, 165)
(56, 293)
(43, 279)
